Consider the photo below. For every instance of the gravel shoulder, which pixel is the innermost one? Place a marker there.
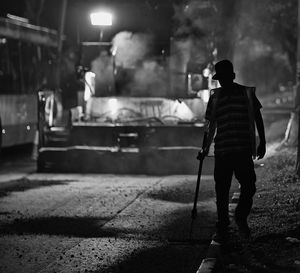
(275, 220)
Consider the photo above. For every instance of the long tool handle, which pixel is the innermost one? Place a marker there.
(194, 211)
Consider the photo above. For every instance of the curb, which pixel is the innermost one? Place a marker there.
(209, 263)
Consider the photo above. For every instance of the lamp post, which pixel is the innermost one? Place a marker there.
(60, 42)
(101, 19)
(297, 95)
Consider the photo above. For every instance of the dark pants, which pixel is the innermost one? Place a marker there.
(241, 164)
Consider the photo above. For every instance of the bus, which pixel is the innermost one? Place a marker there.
(27, 64)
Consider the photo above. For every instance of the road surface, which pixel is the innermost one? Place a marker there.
(101, 223)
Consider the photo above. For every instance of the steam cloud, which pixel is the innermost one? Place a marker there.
(151, 79)
(139, 72)
(131, 48)
(102, 66)
(134, 51)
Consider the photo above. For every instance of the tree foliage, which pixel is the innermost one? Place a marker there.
(258, 34)
(272, 21)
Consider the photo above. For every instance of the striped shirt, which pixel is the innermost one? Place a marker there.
(232, 120)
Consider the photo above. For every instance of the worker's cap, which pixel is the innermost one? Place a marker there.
(224, 69)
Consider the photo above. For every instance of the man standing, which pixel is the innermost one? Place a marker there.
(233, 111)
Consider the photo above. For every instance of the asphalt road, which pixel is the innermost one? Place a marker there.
(104, 223)
(101, 223)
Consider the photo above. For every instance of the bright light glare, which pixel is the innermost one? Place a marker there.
(113, 105)
(206, 72)
(183, 111)
(101, 18)
(205, 95)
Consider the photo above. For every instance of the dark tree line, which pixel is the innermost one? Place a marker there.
(259, 36)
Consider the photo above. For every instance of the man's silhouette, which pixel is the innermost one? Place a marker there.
(233, 111)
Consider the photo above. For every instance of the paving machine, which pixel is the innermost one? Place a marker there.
(122, 133)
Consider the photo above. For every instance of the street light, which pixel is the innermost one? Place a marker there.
(101, 19)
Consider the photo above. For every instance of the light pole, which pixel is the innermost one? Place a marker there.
(60, 41)
(297, 97)
(101, 19)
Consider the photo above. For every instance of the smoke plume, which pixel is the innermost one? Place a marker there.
(134, 53)
(102, 66)
(131, 48)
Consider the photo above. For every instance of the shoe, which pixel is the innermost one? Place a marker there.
(244, 230)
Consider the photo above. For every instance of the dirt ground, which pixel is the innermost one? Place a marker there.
(275, 220)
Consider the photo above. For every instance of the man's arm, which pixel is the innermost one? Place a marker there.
(261, 149)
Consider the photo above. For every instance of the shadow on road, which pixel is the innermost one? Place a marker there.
(24, 184)
(181, 193)
(167, 259)
(175, 228)
(85, 227)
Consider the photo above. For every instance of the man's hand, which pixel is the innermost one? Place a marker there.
(261, 150)
(202, 153)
